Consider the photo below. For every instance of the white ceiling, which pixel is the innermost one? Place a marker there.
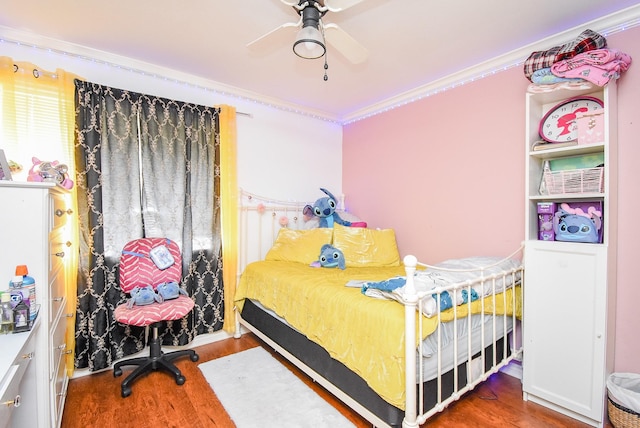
(411, 43)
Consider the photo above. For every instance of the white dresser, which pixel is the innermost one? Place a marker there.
(33, 225)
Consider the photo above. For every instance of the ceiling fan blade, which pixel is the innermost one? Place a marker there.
(345, 44)
(340, 5)
(280, 34)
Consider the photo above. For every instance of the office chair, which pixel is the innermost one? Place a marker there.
(146, 264)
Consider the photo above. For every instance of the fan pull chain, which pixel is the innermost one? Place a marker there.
(326, 67)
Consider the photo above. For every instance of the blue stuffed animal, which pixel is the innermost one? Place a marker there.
(325, 209)
(331, 257)
(170, 290)
(575, 226)
(143, 296)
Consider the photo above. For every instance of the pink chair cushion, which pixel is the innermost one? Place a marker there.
(140, 271)
(148, 314)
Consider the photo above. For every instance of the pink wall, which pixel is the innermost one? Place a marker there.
(447, 173)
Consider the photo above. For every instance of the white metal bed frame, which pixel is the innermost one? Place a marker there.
(270, 215)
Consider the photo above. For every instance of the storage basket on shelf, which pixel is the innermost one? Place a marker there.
(584, 180)
(623, 400)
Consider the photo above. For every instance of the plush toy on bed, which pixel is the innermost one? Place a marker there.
(575, 225)
(330, 257)
(325, 210)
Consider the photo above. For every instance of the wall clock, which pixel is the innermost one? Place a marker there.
(559, 124)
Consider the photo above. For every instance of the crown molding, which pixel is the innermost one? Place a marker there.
(606, 25)
(96, 56)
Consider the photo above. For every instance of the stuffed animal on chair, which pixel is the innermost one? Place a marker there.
(325, 210)
(143, 296)
(170, 290)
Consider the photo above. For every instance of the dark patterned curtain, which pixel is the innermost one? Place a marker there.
(146, 167)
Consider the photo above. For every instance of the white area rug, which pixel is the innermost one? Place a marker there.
(257, 391)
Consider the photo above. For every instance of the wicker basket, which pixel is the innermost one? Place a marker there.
(621, 417)
(584, 180)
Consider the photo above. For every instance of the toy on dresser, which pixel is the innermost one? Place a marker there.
(53, 171)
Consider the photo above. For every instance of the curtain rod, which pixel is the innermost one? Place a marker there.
(37, 72)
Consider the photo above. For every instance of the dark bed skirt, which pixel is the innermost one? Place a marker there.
(319, 360)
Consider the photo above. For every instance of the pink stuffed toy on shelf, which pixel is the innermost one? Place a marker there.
(53, 171)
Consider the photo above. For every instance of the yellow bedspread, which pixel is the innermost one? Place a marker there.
(364, 333)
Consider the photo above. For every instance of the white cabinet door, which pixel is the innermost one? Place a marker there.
(565, 325)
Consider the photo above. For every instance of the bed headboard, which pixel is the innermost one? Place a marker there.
(260, 219)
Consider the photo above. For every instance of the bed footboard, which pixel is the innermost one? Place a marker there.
(469, 365)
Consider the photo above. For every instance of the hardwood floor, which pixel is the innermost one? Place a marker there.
(156, 401)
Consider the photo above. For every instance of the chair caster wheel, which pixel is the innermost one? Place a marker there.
(117, 372)
(195, 357)
(125, 392)
(180, 380)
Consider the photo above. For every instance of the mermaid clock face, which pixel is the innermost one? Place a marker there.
(559, 124)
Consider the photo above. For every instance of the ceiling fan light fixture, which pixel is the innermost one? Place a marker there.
(309, 43)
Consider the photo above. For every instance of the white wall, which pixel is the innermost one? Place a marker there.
(282, 154)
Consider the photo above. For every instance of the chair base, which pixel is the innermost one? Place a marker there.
(157, 360)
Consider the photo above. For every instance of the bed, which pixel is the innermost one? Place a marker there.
(346, 328)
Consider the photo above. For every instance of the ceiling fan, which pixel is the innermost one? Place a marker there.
(310, 39)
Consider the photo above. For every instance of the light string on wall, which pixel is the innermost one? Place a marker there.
(417, 95)
(166, 79)
(474, 78)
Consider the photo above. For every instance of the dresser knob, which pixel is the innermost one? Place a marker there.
(57, 299)
(60, 212)
(15, 402)
(68, 243)
(27, 356)
(60, 254)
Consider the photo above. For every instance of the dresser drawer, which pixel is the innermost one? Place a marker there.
(56, 295)
(59, 211)
(58, 251)
(59, 389)
(12, 394)
(9, 395)
(58, 345)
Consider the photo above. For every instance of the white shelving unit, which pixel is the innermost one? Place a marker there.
(569, 317)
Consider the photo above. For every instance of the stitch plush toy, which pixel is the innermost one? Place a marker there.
(170, 290)
(325, 210)
(330, 257)
(143, 296)
(574, 225)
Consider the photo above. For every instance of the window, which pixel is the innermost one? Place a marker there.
(37, 111)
